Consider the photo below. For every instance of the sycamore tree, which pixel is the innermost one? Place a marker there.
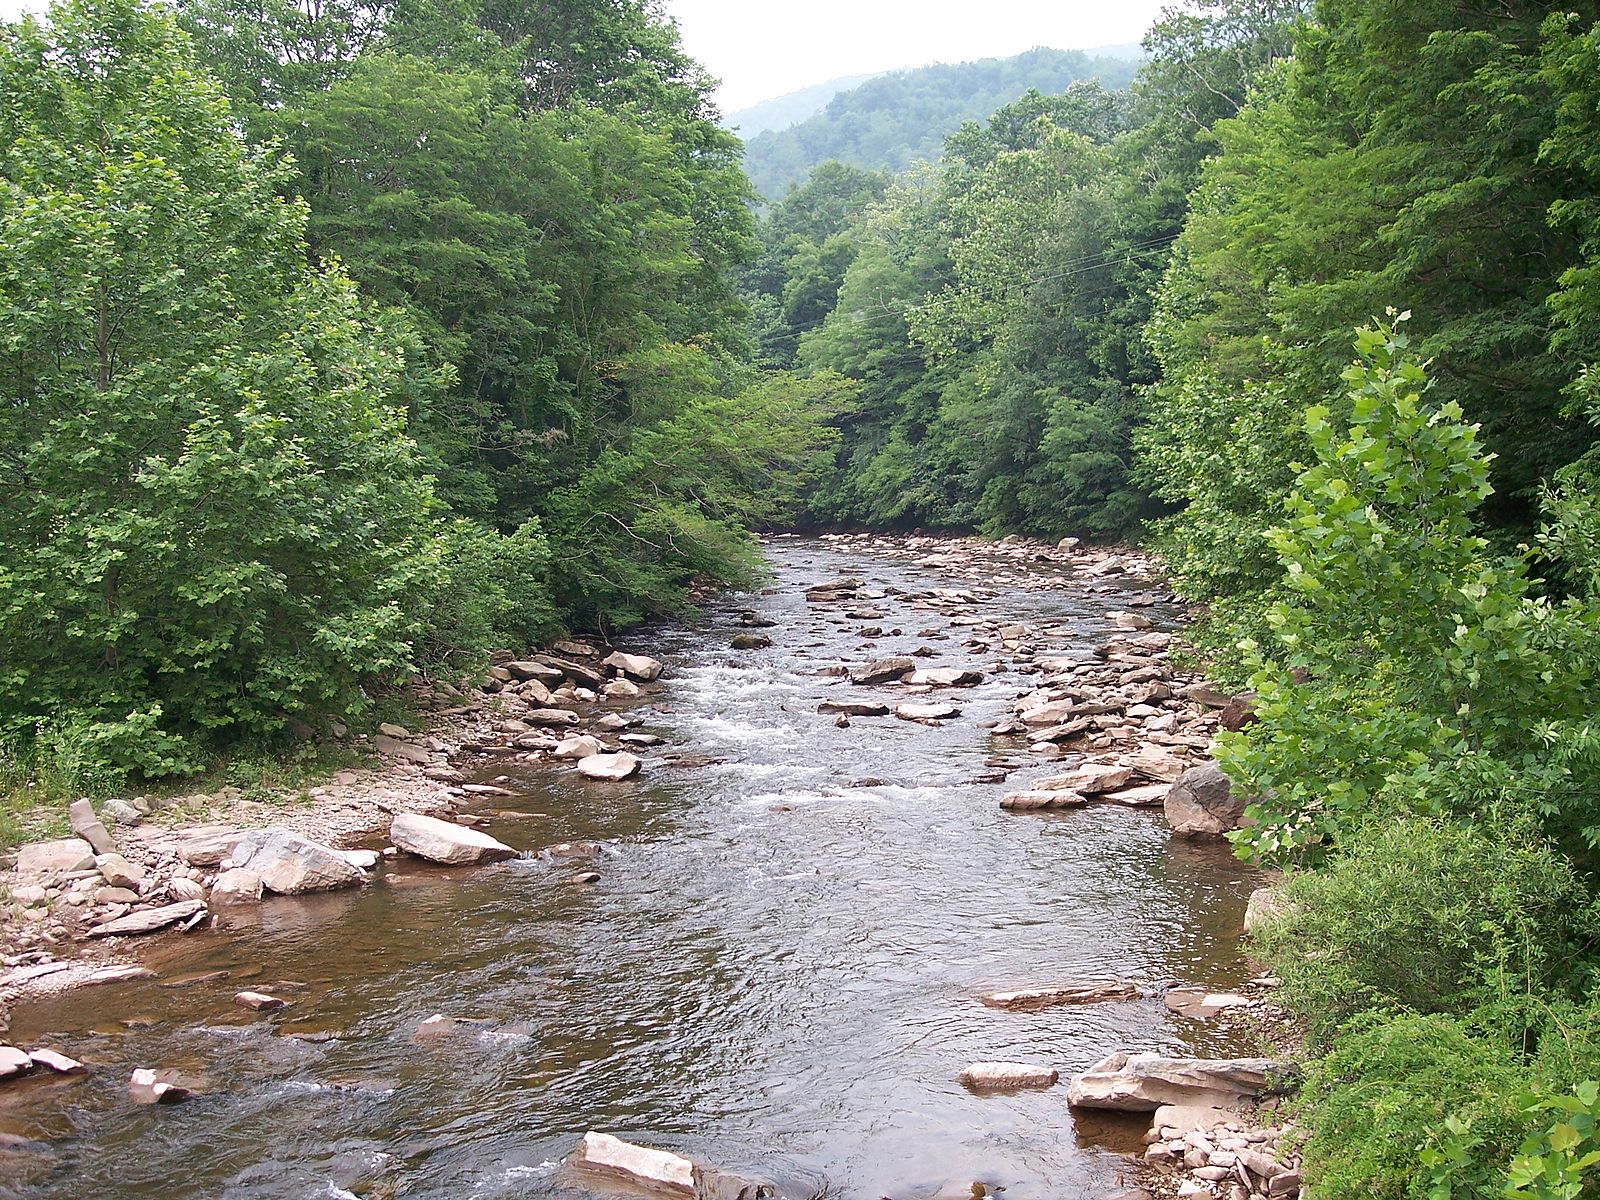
(214, 522)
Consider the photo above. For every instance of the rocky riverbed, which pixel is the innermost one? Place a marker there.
(927, 677)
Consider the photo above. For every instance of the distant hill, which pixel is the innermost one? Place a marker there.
(897, 119)
(785, 111)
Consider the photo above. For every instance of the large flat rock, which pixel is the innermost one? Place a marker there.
(291, 865)
(149, 920)
(60, 857)
(654, 1170)
(445, 842)
(1145, 1082)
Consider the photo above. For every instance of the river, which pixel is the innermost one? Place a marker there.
(776, 973)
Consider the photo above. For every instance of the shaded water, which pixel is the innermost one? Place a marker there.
(776, 973)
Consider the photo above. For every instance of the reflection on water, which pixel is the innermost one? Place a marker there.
(776, 972)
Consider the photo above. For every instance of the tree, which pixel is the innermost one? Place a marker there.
(217, 523)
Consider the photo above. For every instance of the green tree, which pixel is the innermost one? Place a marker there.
(217, 523)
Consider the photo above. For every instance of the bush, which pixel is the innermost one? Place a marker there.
(1410, 1105)
(1430, 915)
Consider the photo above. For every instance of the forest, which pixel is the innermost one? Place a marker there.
(348, 343)
(896, 120)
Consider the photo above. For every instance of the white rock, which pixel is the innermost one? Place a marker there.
(578, 746)
(638, 666)
(659, 1170)
(445, 842)
(1144, 1082)
(57, 1062)
(611, 767)
(363, 860)
(237, 886)
(60, 857)
(14, 1061)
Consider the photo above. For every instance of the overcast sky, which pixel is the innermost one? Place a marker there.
(766, 48)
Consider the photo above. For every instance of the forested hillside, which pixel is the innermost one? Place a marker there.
(897, 119)
(784, 111)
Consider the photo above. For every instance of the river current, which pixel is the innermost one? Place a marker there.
(776, 974)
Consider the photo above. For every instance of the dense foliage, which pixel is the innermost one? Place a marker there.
(442, 353)
(895, 120)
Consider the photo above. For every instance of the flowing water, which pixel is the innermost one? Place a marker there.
(776, 973)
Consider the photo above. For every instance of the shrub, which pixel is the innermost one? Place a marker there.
(1430, 915)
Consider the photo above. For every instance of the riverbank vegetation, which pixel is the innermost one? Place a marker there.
(347, 342)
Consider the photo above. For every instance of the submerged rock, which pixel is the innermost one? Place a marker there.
(1008, 1076)
(1032, 999)
(444, 842)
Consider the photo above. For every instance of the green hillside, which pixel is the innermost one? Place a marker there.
(897, 119)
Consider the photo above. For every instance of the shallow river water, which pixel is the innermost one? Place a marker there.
(777, 972)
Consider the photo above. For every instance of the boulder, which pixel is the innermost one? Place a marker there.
(120, 812)
(853, 708)
(61, 857)
(621, 689)
(1043, 716)
(118, 872)
(159, 1087)
(1144, 1082)
(1203, 804)
(542, 672)
(1149, 795)
(14, 1062)
(291, 865)
(57, 1062)
(1030, 801)
(1090, 779)
(366, 860)
(148, 920)
(259, 1001)
(751, 641)
(578, 746)
(1033, 999)
(392, 747)
(80, 815)
(638, 666)
(186, 889)
(610, 767)
(1264, 904)
(641, 1166)
(883, 671)
(238, 886)
(927, 712)
(398, 732)
(945, 677)
(1151, 762)
(1008, 1076)
(551, 716)
(711, 1183)
(208, 846)
(445, 842)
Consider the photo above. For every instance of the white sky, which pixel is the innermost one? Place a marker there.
(766, 48)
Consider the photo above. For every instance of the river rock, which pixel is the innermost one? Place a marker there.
(392, 747)
(610, 767)
(712, 1183)
(186, 889)
(638, 666)
(60, 857)
(1008, 1076)
(1201, 1005)
(1144, 1082)
(551, 716)
(621, 689)
(80, 816)
(121, 813)
(367, 860)
(853, 708)
(575, 649)
(259, 1001)
(444, 842)
(55, 1061)
(1148, 795)
(655, 1170)
(578, 746)
(927, 712)
(1151, 762)
(945, 677)
(291, 865)
(1032, 801)
(208, 846)
(542, 672)
(1044, 716)
(1090, 779)
(159, 1087)
(149, 920)
(1033, 999)
(883, 671)
(751, 641)
(14, 1062)
(237, 886)
(1264, 904)
(118, 872)
(1203, 804)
